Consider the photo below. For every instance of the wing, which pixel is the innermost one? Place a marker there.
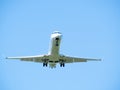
(68, 59)
(38, 58)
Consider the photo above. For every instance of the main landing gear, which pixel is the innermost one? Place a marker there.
(62, 64)
(45, 64)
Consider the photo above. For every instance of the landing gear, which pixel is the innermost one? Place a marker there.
(45, 64)
(62, 64)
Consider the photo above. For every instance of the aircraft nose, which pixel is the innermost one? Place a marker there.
(58, 36)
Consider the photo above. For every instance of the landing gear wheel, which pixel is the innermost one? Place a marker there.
(44, 64)
(62, 64)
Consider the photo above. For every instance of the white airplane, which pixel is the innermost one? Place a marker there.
(53, 57)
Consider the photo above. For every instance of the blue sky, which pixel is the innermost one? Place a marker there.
(90, 28)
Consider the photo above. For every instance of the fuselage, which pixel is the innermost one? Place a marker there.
(54, 48)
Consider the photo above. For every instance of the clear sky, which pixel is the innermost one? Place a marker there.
(90, 28)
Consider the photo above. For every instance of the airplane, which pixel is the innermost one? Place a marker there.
(53, 57)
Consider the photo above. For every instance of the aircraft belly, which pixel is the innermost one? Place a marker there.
(55, 46)
(54, 50)
(53, 58)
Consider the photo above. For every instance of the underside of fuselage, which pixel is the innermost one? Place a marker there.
(54, 50)
(52, 65)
